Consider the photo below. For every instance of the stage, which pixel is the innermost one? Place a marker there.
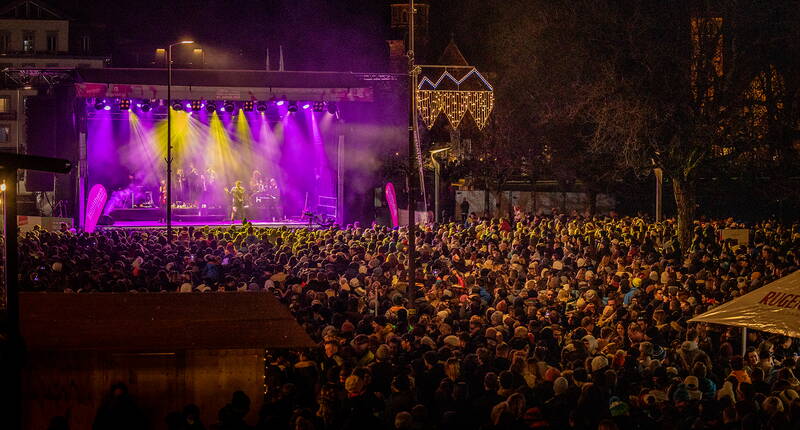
(297, 142)
(160, 225)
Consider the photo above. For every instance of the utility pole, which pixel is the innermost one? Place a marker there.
(169, 136)
(412, 159)
(659, 174)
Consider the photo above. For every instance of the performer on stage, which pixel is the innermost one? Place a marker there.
(183, 186)
(275, 208)
(237, 195)
(194, 186)
(209, 179)
(162, 194)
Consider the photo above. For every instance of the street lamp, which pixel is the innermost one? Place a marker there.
(169, 136)
(437, 169)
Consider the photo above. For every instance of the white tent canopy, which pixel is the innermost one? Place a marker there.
(773, 308)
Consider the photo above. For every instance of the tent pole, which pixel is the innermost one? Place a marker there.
(744, 341)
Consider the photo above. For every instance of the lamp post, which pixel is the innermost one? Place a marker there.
(437, 169)
(412, 159)
(169, 136)
(659, 187)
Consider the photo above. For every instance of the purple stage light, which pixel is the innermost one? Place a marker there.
(306, 106)
(280, 102)
(107, 107)
(188, 106)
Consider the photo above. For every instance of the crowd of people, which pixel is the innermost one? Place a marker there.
(546, 322)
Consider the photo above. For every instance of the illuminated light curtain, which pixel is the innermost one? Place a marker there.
(454, 104)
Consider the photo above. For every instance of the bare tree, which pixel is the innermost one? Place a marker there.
(678, 85)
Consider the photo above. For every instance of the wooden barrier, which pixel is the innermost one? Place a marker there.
(169, 349)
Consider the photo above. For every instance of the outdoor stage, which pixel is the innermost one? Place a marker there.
(280, 134)
(158, 225)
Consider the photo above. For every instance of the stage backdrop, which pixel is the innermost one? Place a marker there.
(127, 152)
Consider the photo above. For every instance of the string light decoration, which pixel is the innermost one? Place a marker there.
(455, 103)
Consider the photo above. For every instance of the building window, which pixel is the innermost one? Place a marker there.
(85, 45)
(5, 41)
(52, 41)
(5, 134)
(28, 41)
(5, 104)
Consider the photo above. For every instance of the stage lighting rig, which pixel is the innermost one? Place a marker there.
(319, 106)
(124, 104)
(229, 107)
(211, 107)
(248, 106)
(306, 105)
(99, 104)
(145, 106)
(196, 105)
(177, 106)
(292, 106)
(261, 107)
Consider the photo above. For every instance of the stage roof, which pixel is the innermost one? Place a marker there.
(158, 322)
(228, 84)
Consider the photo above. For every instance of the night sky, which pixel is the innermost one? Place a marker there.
(344, 35)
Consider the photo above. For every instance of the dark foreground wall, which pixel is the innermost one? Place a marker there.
(74, 384)
(169, 349)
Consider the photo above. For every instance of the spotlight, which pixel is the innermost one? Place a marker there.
(306, 106)
(211, 107)
(229, 107)
(292, 106)
(107, 107)
(281, 102)
(319, 106)
(196, 105)
(332, 108)
(124, 104)
(248, 106)
(145, 106)
(99, 104)
(177, 106)
(261, 107)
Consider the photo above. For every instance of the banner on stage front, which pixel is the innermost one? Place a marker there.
(94, 207)
(391, 200)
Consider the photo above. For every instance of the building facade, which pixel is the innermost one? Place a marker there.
(37, 50)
